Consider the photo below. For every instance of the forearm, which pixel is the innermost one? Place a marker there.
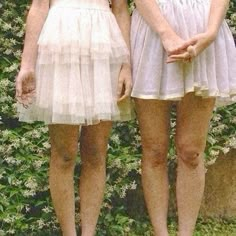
(217, 14)
(35, 20)
(120, 10)
(150, 11)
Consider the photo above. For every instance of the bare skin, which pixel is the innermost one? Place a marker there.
(64, 142)
(153, 116)
(64, 145)
(64, 138)
(193, 115)
(93, 174)
(154, 121)
(200, 42)
(25, 80)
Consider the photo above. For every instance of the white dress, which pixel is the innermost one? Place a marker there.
(211, 74)
(80, 53)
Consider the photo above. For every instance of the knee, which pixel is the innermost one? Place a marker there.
(191, 156)
(64, 158)
(93, 157)
(154, 155)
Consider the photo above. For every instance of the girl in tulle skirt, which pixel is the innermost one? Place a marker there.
(75, 72)
(183, 53)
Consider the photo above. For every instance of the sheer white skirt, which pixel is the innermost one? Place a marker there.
(211, 74)
(80, 54)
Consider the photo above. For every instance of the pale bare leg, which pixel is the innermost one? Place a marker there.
(153, 117)
(93, 147)
(64, 143)
(193, 116)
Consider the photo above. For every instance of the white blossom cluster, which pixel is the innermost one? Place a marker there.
(25, 205)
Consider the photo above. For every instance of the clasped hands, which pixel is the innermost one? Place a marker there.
(186, 50)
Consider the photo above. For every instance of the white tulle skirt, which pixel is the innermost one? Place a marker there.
(211, 74)
(80, 54)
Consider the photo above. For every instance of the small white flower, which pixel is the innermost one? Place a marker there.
(40, 223)
(47, 145)
(28, 193)
(216, 117)
(10, 160)
(232, 142)
(11, 231)
(7, 220)
(27, 208)
(46, 209)
(37, 164)
(133, 185)
(214, 153)
(211, 162)
(225, 150)
(31, 184)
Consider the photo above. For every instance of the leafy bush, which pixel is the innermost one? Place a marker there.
(25, 205)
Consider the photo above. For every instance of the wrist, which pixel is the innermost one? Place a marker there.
(211, 34)
(27, 67)
(165, 33)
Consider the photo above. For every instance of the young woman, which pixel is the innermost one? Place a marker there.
(183, 54)
(75, 73)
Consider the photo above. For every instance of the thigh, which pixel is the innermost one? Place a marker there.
(64, 138)
(193, 116)
(154, 122)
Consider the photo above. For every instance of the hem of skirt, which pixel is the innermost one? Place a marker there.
(123, 118)
(224, 99)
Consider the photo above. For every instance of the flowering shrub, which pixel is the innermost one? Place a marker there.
(25, 205)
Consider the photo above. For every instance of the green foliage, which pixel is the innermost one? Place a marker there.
(231, 15)
(209, 227)
(25, 205)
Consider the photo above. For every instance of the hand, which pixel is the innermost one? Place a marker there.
(124, 83)
(198, 43)
(174, 45)
(25, 87)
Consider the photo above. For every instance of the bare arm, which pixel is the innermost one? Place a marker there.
(201, 41)
(25, 80)
(35, 20)
(217, 14)
(150, 11)
(120, 10)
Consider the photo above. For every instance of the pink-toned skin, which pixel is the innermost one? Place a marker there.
(193, 116)
(64, 138)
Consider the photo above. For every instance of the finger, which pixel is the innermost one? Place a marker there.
(177, 50)
(128, 88)
(183, 46)
(182, 56)
(192, 51)
(190, 42)
(119, 88)
(26, 101)
(171, 60)
(23, 101)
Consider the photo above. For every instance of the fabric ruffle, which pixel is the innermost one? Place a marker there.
(80, 54)
(210, 74)
(78, 35)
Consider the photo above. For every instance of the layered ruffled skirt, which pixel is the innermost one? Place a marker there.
(210, 74)
(80, 53)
